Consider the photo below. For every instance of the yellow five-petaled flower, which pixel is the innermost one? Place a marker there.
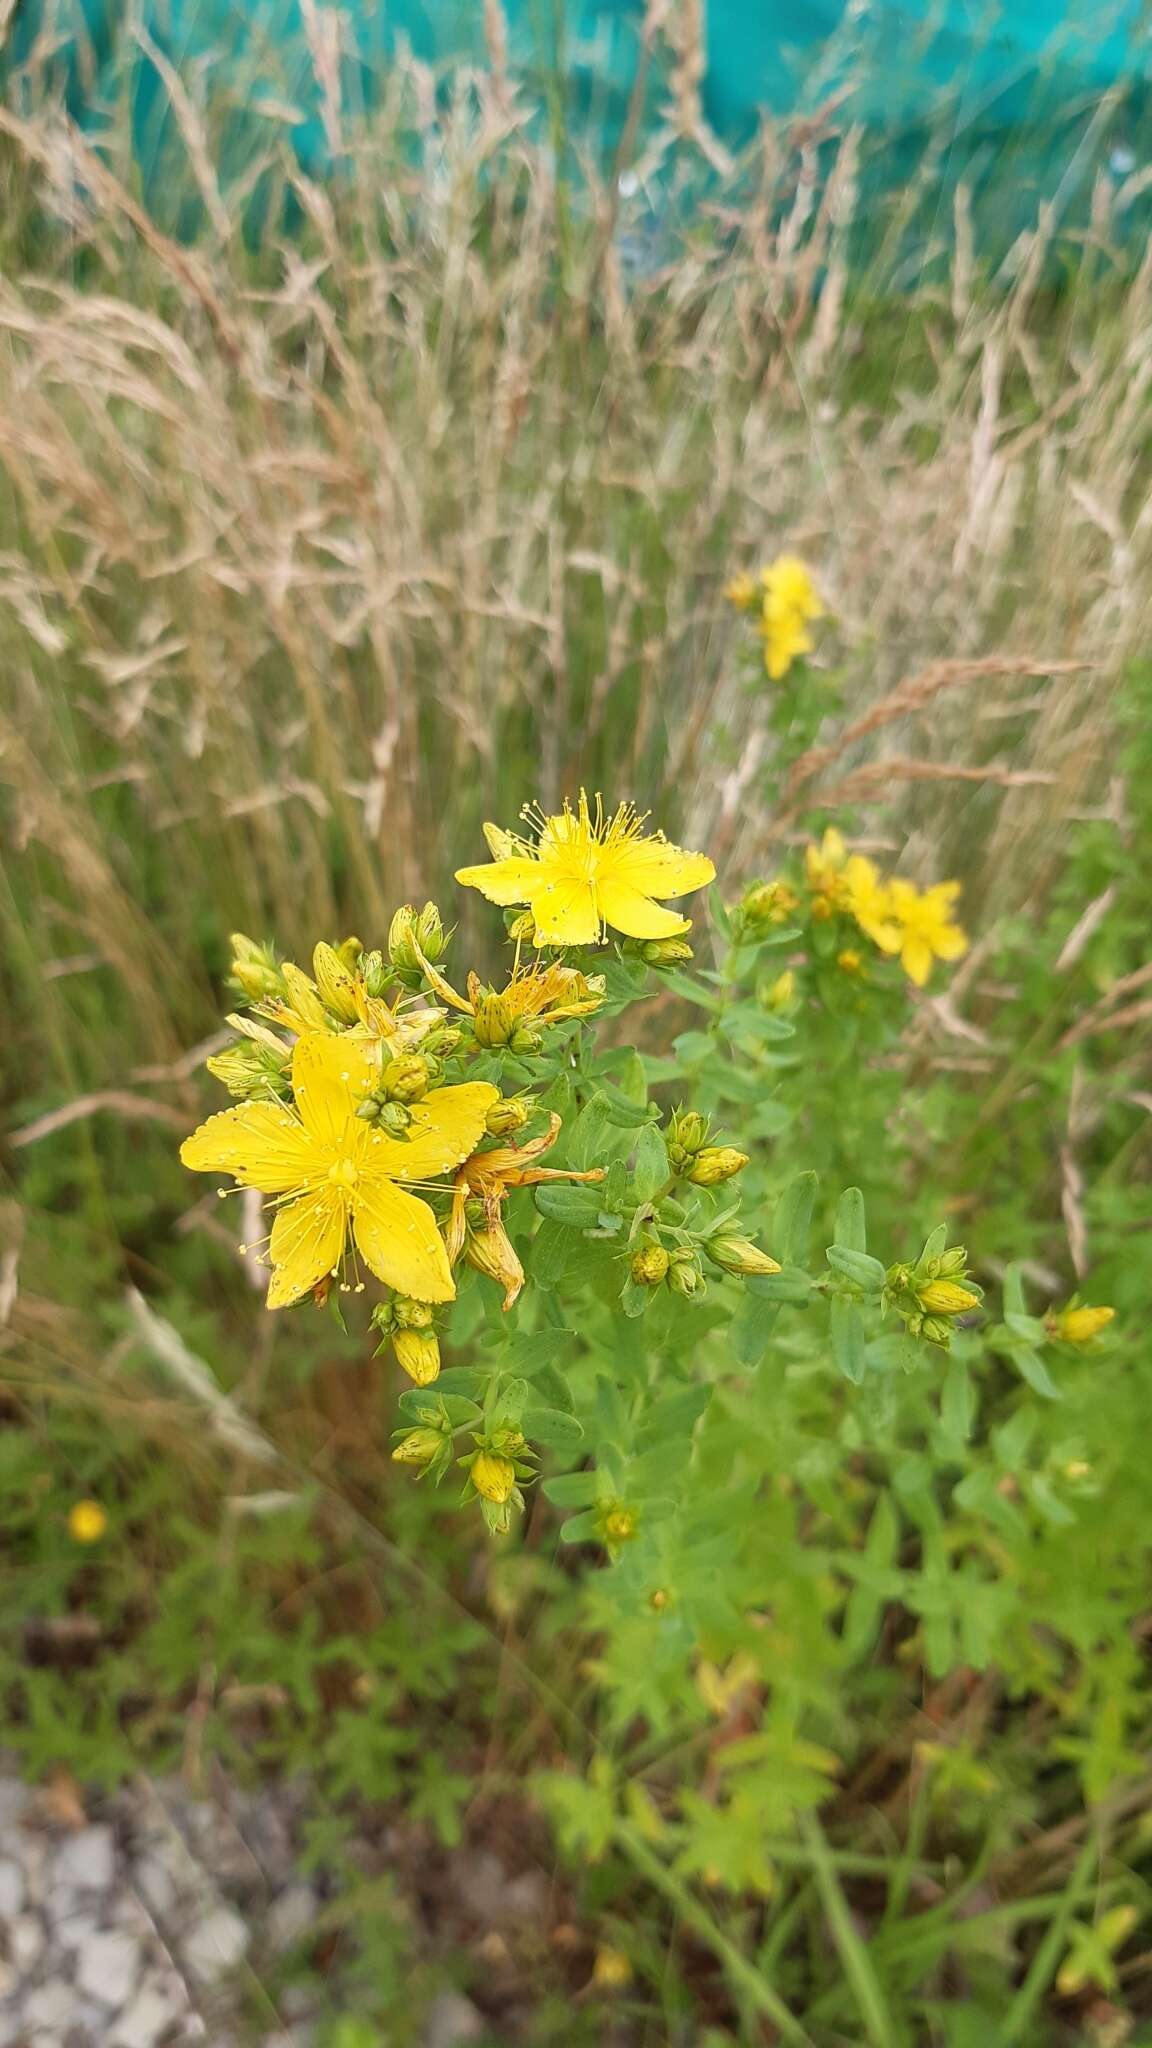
(584, 872)
(332, 1171)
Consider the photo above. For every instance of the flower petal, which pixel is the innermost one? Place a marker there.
(564, 913)
(331, 1075)
(916, 958)
(949, 942)
(307, 1244)
(260, 1143)
(503, 881)
(400, 1241)
(446, 1126)
(634, 914)
(657, 868)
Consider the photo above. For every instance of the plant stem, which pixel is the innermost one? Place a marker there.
(745, 1977)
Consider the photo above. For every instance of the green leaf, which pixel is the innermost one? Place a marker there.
(850, 1228)
(934, 1244)
(1013, 1288)
(459, 1379)
(849, 1345)
(897, 1353)
(957, 1401)
(693, 1047)
(792, 1223)
(634, 1299)
(578, 1208)
(552, 1390)
(691, 991)
(789, 1284)
(561, 1256)
(674, 1415)
(550, 1426)
(530, 1351)
(751, 1328)
(1032, 1368)
(572, 1489)
(718, 911)
(650, 1170)
(425, 1404)
(859, 1267)
(583, 1528)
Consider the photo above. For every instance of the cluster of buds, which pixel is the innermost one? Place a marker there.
(766, 904)
(411, 1327)
(415, 936)
(678, 1269)
(671, 952)
(256, 972)
(931, 1294)
(501, 1459)
(692, 1158)
(495, 1023)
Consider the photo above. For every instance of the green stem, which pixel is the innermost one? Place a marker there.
(745, 1977)
(1047, 1957)
(858, 1966)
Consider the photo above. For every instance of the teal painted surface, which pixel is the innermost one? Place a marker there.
(1030, 93)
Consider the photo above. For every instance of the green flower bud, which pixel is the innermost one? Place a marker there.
(255, 970)
(368, 1110)
(395, 1119)
(492, 1023)
(619, 1525)
(374, 972)
(409, 1314)
(685, 1274)
(665, 952)
(405, 1079)
(936, 1330)
(252, 1068)
(524, 1040)
(688, 1130)
(505, 1118)
(493, 1477)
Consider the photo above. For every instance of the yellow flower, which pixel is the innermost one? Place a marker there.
(1080, 1325)
(824, 866)
(611, 1970)
(869, 899)
(585, 872)
(924, 928)
(87, 1521)
(539, 995)
(331, 1170)
(790, 603)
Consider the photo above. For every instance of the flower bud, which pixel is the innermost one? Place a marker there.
(506, 1117)
(716, 1163)
(497, 1516)
(336, 985)
(368, 1110)
(523, 927)
(743, 591)
(524, 1040)
(935, 1330)
(395, 1119)
(251, 1067)
(779, 993)
(409, 1314)
(665, 952)
(649, 1265)
(849, 961)
(419, 1447)
(1080, 1325)
(443, 1040)
(620, 1525)
(255, 969)
(304, 998)
(946, 1298)
(374, 972)
(405, 1079)
(493, 1023)
(687, 1132)
(739, 1255)
(418, 1352)
(685, 1274)
(494, 1478)
(770, 903)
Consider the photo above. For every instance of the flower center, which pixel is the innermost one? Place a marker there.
(344, 1173)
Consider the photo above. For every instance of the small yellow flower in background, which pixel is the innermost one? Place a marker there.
(770, 902)
(744, 591)
(824, 867)
(87, 1522)
(790, 603)
(611, 1970)
(332, 1171)
(1079, 1325)
(781, 992)
(849, 961)
(869, 898)
(585, 872)
(924, 929)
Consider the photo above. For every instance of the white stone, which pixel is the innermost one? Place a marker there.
(452, 2021)
(144, 2021)
(216, 1945)
(108, 1966)
(25, 1942)
(155, 1884)
(87, 1860)
(291, 1916)
(52, 2006)
(74, 1931)
(11, 1890)
(14, 1798)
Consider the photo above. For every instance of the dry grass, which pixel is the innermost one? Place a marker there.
(312, 558)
